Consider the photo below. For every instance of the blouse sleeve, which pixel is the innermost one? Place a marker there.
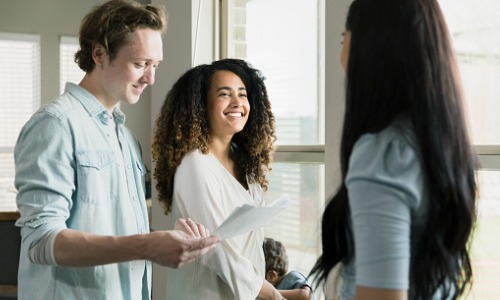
(384, 184)
(204, 196)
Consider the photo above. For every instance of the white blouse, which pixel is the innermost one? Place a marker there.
(207, 193)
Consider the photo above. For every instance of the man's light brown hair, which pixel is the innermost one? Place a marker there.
(109, 25)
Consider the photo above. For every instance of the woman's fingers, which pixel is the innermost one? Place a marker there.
(192, 228)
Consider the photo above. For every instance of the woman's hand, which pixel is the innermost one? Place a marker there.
(175, 248)
(191, 228)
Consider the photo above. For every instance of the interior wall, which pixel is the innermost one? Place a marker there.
(336, 12)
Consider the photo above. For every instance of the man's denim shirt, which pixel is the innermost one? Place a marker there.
(72, 173)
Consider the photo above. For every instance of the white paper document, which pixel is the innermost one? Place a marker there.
(247, 218)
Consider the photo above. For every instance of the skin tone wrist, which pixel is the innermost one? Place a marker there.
(168, 248)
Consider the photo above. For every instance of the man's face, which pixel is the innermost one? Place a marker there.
(133, 69)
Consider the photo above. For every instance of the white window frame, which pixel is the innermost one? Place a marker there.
(489, 157)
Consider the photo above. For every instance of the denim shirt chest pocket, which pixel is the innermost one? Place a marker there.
(97, 176)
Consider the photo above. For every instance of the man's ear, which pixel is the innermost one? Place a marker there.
(98, 53)
(272, 276)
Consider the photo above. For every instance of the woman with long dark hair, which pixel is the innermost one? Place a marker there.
(401, 221)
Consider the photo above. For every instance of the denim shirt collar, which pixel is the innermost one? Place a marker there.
(93, 106)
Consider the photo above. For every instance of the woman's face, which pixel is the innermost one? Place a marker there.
(344, 54)
(227, 105)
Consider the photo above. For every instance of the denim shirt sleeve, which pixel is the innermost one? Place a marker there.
(44, 176)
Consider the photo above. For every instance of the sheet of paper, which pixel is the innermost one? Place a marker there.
(247, 218)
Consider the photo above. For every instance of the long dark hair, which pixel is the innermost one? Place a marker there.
(182, 125)
(401, 62)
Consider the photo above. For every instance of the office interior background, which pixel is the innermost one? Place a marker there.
(296, 45)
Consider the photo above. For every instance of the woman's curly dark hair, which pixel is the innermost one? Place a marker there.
(182, 126)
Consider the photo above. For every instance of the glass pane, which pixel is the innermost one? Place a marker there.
(19, 83)
(283, 43)
(297, 226)
(20, 97)
(486, 241)
(475, 30)
(69, 70)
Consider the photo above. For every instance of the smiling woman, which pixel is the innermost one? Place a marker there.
(227, 106)
(212, 145)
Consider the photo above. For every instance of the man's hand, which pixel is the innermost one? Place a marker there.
(171, 248)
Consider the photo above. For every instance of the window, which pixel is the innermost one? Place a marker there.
(475, 31)
(20, 97)
(69, 70)
(286, 45)
(288, 53)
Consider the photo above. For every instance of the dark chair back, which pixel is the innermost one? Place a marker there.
(10, 245)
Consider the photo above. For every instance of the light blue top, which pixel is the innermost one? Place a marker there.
(71, 172)
(388, 199)
(294, 280)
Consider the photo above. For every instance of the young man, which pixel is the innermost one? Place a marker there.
(80, 177)
(291, 284)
